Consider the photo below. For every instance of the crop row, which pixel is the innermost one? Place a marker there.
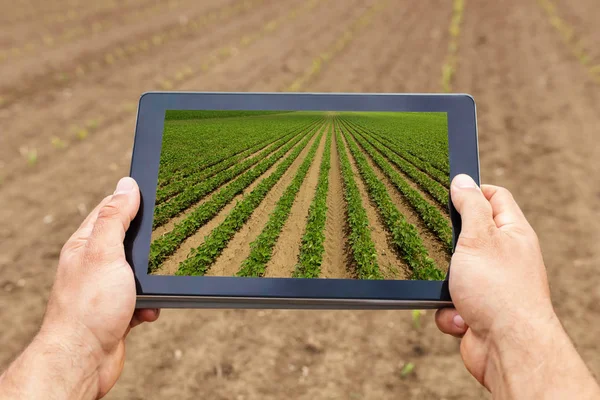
(188, 178)
(167, 244)
(405, 236)
(359, 238)
(191, 146)
(57, 12)
(422, 135)
(121, 51)
(202, 257)
(437, 191)
(261, 250)
(424, 166)
(451, 61)
(312, 246)
(573, 41)
(225, 52)
(186, 72)
(338, 46)
(192, 179)
(191, 195)
(430, 215)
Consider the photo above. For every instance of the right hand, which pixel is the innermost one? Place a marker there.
(498, 280)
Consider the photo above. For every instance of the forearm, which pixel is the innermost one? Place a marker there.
(538, 361)
(49, 370)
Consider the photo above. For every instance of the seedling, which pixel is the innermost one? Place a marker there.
(416, 318)
(82, 133)
(58, 143)
(407, 369)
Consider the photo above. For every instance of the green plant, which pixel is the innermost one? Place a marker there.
(262, 248)
(407, 369)
(202, 257)
(167, 244)
(405, 236)
(312, 245)
(361, 243)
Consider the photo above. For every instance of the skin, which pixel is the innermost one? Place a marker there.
(512, 341)
(79, 351)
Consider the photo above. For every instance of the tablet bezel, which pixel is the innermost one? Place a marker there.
(204, 291)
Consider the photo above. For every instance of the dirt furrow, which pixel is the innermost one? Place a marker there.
(582, 18)
(538, 119)
(409, 180)
(64, 64)
(390, 263)
(402, 155)
(74, 110)
(238, 248)
(159, 231)
(287, 248)
(337, 257)
(398, 70)
(437, 250)
(172, 263)
(294, 60)
(70, 24)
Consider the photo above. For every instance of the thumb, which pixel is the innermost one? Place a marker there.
(474, 209)
(114, 218)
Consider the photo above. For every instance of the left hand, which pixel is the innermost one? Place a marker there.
(91, 307)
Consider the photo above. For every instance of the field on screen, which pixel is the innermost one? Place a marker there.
(303, 194)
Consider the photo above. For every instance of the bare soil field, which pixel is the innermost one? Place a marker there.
(70, 76)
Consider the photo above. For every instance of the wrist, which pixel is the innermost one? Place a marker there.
(535, 359)
(58, 364)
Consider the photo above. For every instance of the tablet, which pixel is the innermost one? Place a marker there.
(298, 200)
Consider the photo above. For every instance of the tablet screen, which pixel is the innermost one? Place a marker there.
(298, 194)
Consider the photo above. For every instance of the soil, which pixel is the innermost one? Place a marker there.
(336, 256)
(390, 263)
(538, 124)
(287, 247)
(238, 250)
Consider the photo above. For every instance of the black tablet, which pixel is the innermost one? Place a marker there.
(298, 200)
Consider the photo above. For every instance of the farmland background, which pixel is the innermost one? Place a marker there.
(70, 75)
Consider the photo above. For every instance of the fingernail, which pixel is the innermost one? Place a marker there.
(459, 321)
(463, 181)
(125, 185)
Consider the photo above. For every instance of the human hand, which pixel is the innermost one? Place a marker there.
(499, 287)
(91, 307)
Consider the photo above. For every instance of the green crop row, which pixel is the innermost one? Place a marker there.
(192, 194)
(190, 146)
(363, 248)
(261, 250)
(312, 247)
(424, 166)
(420, 134)
(191, 175)
(437, 191)
(405, 236)
(205, 114)
(167, 244)
(431, 216)
(202, 257)
(179, 186)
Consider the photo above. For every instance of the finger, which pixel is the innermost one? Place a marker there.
(144, 315)
(505, 210)
(114, 217)
(450, 322)
(85, 229)
(474, 209)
